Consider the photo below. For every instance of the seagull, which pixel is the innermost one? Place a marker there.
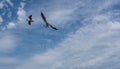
(47, 24)
(30, 20)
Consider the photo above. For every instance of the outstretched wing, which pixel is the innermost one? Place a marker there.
(43, 17)
(53, 27)
(29, 22)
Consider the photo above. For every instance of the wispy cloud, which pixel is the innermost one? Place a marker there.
(8, 42)
(61, 16)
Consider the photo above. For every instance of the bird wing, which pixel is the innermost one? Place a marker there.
(53, 27)
(29, 22)
(30, 17)
(43, 17)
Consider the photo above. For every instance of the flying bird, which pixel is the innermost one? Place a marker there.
(30, 20)
(47, 24)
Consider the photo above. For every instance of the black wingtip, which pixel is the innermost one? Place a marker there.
(56, 29)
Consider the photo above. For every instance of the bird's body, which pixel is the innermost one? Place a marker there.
(30, 20)
(47, 24)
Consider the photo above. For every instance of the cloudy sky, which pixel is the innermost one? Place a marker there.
(88, 35)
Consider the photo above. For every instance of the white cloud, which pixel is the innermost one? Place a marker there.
(11, 25)
(7, 42)
(21, 12)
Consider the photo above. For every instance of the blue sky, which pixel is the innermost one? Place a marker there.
(88, 35)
